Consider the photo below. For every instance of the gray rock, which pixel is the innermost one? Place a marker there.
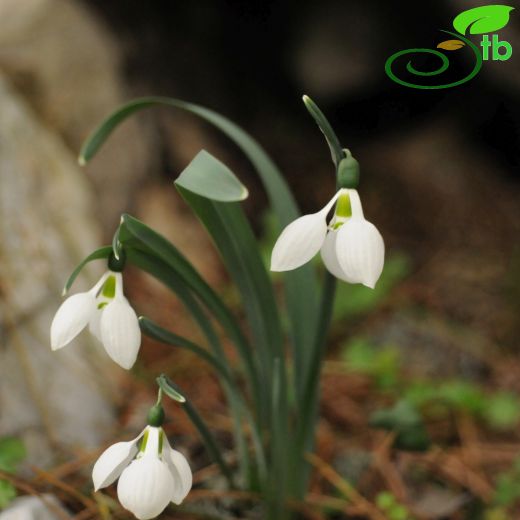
(67, 65)
(47, 226)
(46, 507)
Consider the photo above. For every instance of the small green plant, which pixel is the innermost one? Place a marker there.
(382, 364)
(12, 453)
(389, 504)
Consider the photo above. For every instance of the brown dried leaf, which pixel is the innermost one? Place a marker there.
(451, 45)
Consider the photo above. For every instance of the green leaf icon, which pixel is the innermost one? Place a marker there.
(480, 20)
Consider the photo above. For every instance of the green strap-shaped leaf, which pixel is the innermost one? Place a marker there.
(484, 19)
(163, 272)
(235, 241)
(136, 234)
(158, 333)
(336, 151)
(98, 254)
(300, 284)
(214, 450)
(208, 177)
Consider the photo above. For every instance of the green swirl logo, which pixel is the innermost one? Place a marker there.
(480, 20)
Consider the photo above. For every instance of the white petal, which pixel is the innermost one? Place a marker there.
(71, 318)
(301, 239)
(112, 462)
(94, 325)
(120, 332)
(355, 204)
(299, 242)
(145, 487)
(360, 251)
(330, 257)
(180, 470)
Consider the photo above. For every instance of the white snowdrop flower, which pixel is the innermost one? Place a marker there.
(352, 248)
(109, 316)
(151, 473)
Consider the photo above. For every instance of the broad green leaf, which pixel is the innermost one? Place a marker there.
(208, 177)
(484, 19)
(451, 45)
(98, 254)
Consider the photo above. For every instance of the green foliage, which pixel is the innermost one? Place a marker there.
(507, 487)
(355, 300)
(12, 452)
(502, 410)
(403, 419)
(383, 364)
(389, 504)
(279, 387)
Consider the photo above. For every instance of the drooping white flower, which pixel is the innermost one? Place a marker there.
(109, 316)
(352, 248)
(151, 473)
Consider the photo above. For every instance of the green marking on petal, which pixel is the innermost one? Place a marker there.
(102, 304)
(343, 207)
(144, 442)
(161, 438)
(109, 288)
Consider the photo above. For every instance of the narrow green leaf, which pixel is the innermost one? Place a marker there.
(484, 19)
(214, 450)
(98, 254)
(147, 249)
(158, 333)
(234, 396)
(235, 241)
(330, 136)
(208, 177)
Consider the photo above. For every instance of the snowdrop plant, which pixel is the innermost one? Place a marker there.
(352, 248)
(151, 473)
(272, 386)
(108, 315)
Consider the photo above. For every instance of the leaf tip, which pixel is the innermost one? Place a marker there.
(82, 161)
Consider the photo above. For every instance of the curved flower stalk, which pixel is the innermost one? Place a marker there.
(151, 473)
(109, 316)
(352, 248)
